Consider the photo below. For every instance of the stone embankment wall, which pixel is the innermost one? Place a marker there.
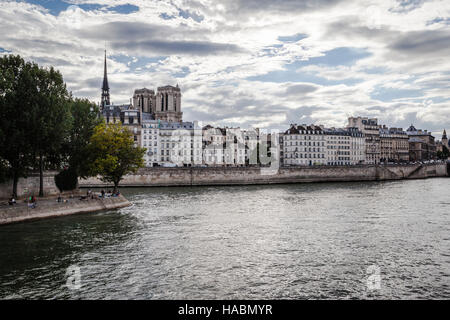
(245, 175)
(51, 208)
(30, 185)
(242, 175)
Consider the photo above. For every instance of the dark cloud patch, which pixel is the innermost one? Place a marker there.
(149, 39)
(118, 30)
(41, 45)
(351, 27)
(300, 89)
(49, 61)
(280, 5)
(177, 47)
(124, 30)
(427, 42)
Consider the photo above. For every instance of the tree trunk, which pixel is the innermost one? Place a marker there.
(15, 181)
(41, 176)
(116, 184)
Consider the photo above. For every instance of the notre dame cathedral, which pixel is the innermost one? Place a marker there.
(164, 105)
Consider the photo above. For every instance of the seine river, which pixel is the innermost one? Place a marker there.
(372, 240)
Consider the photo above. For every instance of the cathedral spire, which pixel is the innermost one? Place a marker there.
(444, 135)
(105, 87)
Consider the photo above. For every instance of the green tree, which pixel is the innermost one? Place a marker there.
(51, 120)
(444, 154)
(113, 153)
(66, 180)
(16, 105)
(4, 170)
(85, 117)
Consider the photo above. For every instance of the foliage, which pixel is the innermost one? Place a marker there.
(41, 125)
(444, 154)
(113, 153)
(50, 118)
(85, 117)
(66, 180)
(4, 170)
(16, 104)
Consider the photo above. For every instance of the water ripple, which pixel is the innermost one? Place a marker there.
(306, 241)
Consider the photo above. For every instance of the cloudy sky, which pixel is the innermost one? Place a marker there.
(262, 63)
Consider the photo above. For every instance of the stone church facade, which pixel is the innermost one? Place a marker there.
(164, 105)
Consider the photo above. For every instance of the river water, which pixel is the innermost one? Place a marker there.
(368, 240)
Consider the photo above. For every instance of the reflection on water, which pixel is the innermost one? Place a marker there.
(280, 242)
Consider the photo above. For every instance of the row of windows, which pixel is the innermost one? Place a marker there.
(304, 162)
(305, 149)
(295, 143)
(150, 126)
(306, 155)
(297, 137)
(151, 131)
(339, 137)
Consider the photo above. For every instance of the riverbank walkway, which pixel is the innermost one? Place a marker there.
(50, 206)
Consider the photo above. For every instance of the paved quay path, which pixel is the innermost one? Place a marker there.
(50, 207)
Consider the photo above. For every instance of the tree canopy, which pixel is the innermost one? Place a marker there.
(444, 154)
(41, 125)
(113, 153)
(16, 111)
(85, 117)
(51, 120)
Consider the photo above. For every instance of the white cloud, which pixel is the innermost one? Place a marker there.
(212, 49)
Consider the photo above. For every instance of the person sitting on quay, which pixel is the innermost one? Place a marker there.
(32, 202)
(103, 193)
(59, 198)
(12, 201)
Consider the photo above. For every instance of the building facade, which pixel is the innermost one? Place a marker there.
(394, 145)
(422, 146)
(371, 131)
(304, 145)
(345, 146)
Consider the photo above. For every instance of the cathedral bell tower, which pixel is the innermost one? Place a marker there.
(168, 104)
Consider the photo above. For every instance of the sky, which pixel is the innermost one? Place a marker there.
(250, 63)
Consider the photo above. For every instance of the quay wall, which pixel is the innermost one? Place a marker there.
(30, 185)
(196, 176)
(20, 212)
